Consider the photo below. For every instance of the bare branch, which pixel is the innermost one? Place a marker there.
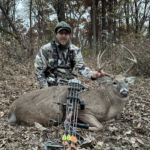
(16, 35)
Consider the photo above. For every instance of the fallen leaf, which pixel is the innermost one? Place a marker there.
(123, 147)
(1, 113)
(140, 141)
(147, 119)
(12, 97)
(139, 125)
(118, 137)
(69, 148)
(132, 140)
(113, 129)
(1, 145)
(100, 143)
(39, 126)
(135, 145)
(61, 132)
(128, 132)
(35, 148)
(4, 101)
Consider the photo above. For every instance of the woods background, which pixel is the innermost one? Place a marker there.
(95, 24)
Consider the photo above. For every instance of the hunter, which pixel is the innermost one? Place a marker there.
(58, 58)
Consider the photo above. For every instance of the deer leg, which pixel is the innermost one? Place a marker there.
(94, 124)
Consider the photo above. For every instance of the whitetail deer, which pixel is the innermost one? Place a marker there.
(101, 104)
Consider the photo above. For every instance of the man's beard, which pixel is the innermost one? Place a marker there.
(63, 41)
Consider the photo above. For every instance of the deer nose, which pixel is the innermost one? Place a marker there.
(124, 92)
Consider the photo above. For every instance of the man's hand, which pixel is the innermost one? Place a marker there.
(97, 74)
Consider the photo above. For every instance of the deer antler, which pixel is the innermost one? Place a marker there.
(133, 59)
(99, 66)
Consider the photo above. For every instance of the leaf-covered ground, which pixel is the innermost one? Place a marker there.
(129, 131)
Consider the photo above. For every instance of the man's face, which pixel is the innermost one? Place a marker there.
(63, 36)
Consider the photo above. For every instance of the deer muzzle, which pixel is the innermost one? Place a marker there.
(124, 92)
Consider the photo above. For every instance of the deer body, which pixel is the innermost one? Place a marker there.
(101, 104)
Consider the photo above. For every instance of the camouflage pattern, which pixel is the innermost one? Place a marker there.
(44, 59)
(62, 25)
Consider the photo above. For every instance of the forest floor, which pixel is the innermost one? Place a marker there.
(129, 131)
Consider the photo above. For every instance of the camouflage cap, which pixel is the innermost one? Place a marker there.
(62, 25)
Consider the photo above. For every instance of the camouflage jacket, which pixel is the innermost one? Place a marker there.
(44, 59)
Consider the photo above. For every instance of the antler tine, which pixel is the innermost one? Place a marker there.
(133, 59)
(99, 67)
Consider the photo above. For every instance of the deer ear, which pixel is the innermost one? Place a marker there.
(131, 79)
(104, 80)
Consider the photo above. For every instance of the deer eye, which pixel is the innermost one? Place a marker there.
(114, 83)
(126, 81)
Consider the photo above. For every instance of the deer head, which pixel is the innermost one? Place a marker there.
(119, 83)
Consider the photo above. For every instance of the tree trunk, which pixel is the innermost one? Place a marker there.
(110, 20)
(30, 21)
(39, 21)
(60, 10)
(14, 10)
(97, 24)
(94, 30)
(126, 10)
(132, 15)
(127, 15)
(144, 17)
(43, 25)
(103, 14)
(31, 47)
(5, 25)
(90, 42)
(114, 24)
(103, 23)
(136, 17)
(149, 26)
(90, 29)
